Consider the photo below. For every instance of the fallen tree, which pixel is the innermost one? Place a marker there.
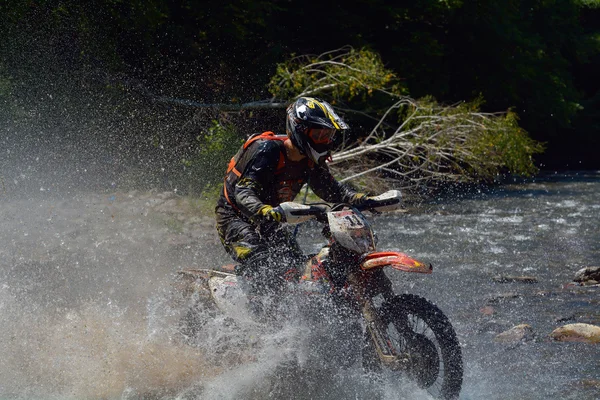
(420, 143)
(435, 144)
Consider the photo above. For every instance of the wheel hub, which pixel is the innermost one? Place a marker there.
(424, 360)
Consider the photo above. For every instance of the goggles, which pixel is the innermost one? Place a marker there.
(321, 136)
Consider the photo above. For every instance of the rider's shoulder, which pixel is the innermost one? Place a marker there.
(268, 146)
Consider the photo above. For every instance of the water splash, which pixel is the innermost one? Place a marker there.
(96, 351)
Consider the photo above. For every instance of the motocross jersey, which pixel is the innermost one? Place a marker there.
(261, 173)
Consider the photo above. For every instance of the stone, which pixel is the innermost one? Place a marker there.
(587, 274)
(511, 279)
(565, 318)
(589, 384)
(579, 332)
(516, 334)
(502, 297)
(493, 326)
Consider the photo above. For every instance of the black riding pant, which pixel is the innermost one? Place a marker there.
(265, 253)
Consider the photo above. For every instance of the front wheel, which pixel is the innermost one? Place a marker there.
(420, 332)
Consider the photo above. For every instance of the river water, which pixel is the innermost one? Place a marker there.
(86, 300)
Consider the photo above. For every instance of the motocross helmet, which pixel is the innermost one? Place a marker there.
(311, 126)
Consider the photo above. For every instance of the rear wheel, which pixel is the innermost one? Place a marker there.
(420, 331)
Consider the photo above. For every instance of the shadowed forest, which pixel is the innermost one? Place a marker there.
(144, 70)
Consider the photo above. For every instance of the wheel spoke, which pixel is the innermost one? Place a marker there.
(418, 328)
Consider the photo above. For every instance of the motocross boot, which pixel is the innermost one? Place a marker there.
(261, 284)
(267, 274)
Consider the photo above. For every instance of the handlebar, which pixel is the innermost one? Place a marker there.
(296, 213)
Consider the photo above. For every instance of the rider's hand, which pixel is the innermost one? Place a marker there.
(361, 199)
(270, 214)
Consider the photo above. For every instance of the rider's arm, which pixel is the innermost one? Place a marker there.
(258, 174)
(329, 189)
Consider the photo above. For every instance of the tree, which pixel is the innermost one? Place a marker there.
(418, 142)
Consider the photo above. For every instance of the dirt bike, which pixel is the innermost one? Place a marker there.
(404, 333)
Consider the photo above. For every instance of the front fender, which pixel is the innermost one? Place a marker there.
(396, 260)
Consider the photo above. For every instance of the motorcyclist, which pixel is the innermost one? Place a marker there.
(271, 169)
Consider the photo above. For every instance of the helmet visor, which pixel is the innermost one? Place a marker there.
(321, 136)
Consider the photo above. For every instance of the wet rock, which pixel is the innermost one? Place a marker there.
(583, 389)
(588, 276)
(584, 333)
(589, 384)
(518, 279)
(502, 297)
(564, 319)
(516, 334)
(493, 326)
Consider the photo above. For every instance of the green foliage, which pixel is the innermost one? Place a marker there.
(204, 203)
(529, 48)
(341, 75)
(457, 142)
(468, 145)
(215, 147)
(505, 144)
(590, 3)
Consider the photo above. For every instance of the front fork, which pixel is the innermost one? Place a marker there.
(365, 286)
(386, 352)
(377, 332)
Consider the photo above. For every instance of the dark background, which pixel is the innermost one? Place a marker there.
(539, 58)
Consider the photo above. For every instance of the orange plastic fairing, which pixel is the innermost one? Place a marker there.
(399, 261)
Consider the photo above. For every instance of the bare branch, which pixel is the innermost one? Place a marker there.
(417, 142)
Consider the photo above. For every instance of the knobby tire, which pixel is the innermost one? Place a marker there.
(396, 310)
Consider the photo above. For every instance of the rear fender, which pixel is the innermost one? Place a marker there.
(396, 260)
